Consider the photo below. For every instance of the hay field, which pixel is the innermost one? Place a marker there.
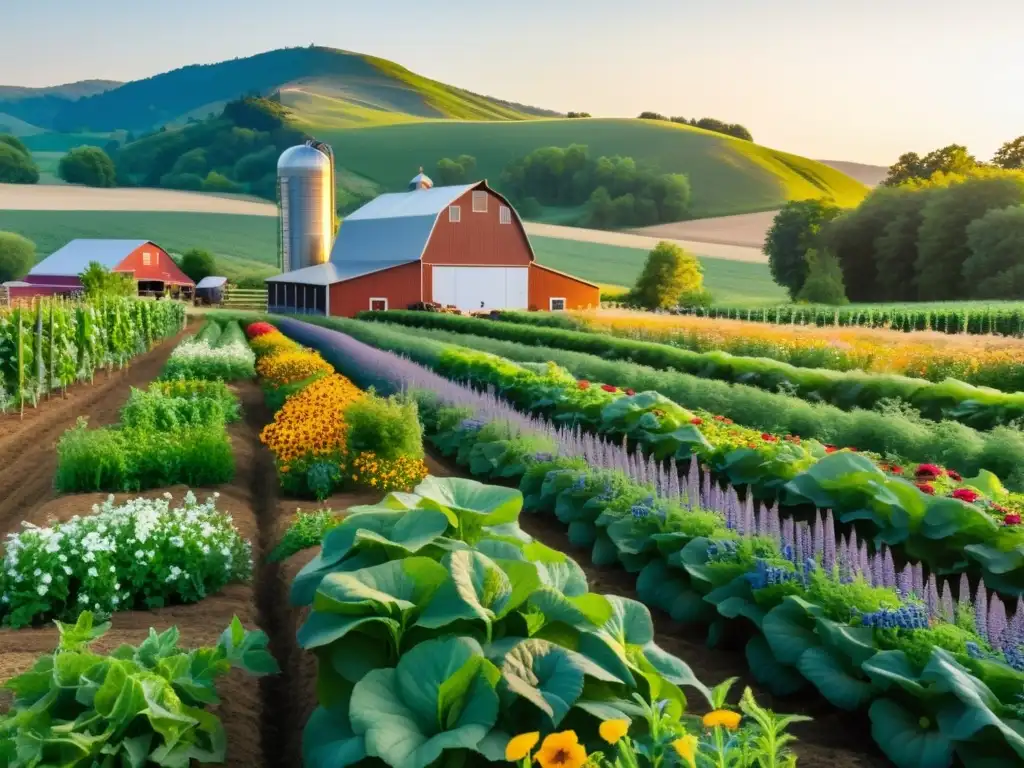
(747, 230)
(67, 197)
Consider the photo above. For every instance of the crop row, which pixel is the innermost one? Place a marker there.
(986, 361)
(931, 513)
(938, 673)
(1001, 319)
(950, 399)
(50, 347)
(901, 437)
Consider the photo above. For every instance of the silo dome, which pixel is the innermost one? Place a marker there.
(305, 177)
(420, 181)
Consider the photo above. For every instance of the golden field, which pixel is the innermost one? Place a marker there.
(994, 361)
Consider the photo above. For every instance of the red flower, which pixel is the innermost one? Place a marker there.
(896, 469)
(630, 392)
(719, 418)
(955, 475)
(696, 420)
(583, 384)
(768, 438)
(258, 329)
(926, 488)
(965, 494)
(728, 421)
(609, 388)
(1012, 518)
(830, 449)
(928, 471)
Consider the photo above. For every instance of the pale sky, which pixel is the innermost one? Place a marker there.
(860, 80)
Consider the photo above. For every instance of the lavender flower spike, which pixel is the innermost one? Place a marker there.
(981, 610)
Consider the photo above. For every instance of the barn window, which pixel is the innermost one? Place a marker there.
(378, 305)
(557, 305)
(479, 202)
(505, 215)
(146, 259)
(454, 214)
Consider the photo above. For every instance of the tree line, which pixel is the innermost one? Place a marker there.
(953, 159)
(707, 123)
(951, 237)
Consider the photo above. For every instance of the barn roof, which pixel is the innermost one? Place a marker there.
(336, 272)
(73, 259)
(395, 224)
(211, 281)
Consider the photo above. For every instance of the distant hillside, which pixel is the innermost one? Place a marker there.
(39, 107)
(145, 104)
(870, 175)
(727, 175)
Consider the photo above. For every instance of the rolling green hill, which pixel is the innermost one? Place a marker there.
(246, 246)
(727, 175)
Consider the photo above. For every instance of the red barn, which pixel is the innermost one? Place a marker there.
(152, 267)
(462, 246)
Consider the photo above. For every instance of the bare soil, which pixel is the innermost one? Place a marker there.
(745, 229)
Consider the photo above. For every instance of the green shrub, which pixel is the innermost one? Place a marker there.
(669, 274)
(307, 530)
(156, 410)
(824, 283)
(388, 427)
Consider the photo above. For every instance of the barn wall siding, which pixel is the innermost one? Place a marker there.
(399, 285)
(161, 266)
(477, 238)
(545, 285)
(56, 281)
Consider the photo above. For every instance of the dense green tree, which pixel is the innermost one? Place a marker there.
(90, 166)
(218, 182)
(794, 231)
(578, 114)
(651, 116)
(1011, 154)
(17, 255)
(197, 264)
(256, 113)
(729, 129)
(99, 281)
(942, 246)
(13, 141)
(995, 268)
(459, 171)
(954, 159)
(895, 247)
(824, 283)
(16, 167)
(256, 165)
(193, 161)
(191, 182)
(669, 274)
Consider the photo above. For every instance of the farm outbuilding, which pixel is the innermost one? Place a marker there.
(462, 246)
(150, 265)
(211, 289)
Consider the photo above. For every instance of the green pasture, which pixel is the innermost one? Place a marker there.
(728, 176)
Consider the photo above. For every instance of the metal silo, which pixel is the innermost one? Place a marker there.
(305, 194)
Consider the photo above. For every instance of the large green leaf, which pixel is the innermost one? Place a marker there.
(474, 504)
(630, 622)
(479, 588)
(833, 681)
(780, 679)
(789, 629)
(904, 739)
(391, 589)
(440, 696)
(550, 677)
(328, 740)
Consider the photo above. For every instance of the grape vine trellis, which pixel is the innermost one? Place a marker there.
(45, 349)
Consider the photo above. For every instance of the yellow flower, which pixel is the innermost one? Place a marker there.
(723, 717)
(562, 750)
(521, 746)
(613, 730)
(687, 749)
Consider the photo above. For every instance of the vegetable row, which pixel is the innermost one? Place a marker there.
(937, 671)
(58, 343)
(977, 407)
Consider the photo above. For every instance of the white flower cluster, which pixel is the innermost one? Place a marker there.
(140, 554)
(234, 353)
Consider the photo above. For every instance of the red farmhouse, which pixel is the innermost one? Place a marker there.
(461, 246)
(152, 267)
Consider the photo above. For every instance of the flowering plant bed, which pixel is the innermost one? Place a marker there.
(226, 357)
(142, 554)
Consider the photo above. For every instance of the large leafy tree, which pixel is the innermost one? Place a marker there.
(197, 264)
(16, 167)
(99, 281)
(952, 159)
(1011, 154)
(669, 274)
(995, 269)
(90, 166)
(17, 255)
(824, 283)
(942, 246)
(794, 232)
(851, 240)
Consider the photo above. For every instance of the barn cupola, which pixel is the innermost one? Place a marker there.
(420, 181)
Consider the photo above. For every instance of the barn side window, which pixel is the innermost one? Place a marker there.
(557, 305)
(378, 305)
(146, 258)
(454, 214)
(504, 215)
(479, 202)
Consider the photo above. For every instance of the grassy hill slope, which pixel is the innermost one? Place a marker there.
(727, 175)
(144, 104)
(246, 246)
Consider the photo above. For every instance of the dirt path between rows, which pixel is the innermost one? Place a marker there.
(28, 445)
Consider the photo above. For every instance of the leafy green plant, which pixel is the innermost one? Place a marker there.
(307, 530)
(388, 427)
(145, 705)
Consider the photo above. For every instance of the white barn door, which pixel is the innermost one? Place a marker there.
(476, 288)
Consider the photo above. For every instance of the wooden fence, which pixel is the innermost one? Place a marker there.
(246, 298)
